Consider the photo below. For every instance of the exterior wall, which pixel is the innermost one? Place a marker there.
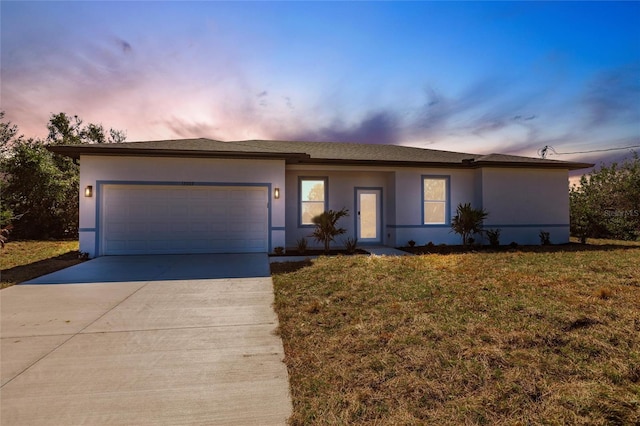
(520, 202)
(98, 170)
(341, 184)
(408, 224)
(401, 201)
(523, 202)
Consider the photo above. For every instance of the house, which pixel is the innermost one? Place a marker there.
(209, 196)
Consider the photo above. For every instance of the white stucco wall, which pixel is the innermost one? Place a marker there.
(408, 223)
(95, 170)
(342, 182)
(402, 200)
(523, 202)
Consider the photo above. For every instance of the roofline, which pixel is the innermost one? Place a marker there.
(75, 151)
(558, 165)
(566, 165)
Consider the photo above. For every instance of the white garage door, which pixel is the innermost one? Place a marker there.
(141, 219)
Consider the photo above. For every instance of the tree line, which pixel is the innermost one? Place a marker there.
(606, 203)
(39, 189)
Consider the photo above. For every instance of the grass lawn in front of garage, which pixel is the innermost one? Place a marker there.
(24, 260)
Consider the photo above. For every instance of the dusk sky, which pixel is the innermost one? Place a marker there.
(506, 77)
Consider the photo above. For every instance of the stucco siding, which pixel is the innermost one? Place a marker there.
(341, 194)
(408, 224)
(523, 202)
(98, 170)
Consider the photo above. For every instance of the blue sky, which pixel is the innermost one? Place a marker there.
(462, 76)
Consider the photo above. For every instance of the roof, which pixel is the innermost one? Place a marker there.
(294, 152)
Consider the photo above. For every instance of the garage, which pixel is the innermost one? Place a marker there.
(183, 219)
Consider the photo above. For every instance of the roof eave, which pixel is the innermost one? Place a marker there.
(76, 152)
(443, 164)
(568, 165)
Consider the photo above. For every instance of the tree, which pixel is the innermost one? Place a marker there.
(468, 221)
(326, 229)
(606, 203)
(40, 186)
(8, 134)
(44, 193)
(66, 130)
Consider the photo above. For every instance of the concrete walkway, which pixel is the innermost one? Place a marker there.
(375, 250)
(385, 251)
(144, 340)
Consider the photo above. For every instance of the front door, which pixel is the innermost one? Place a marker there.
(368, 222)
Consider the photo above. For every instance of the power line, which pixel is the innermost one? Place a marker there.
(542, 152)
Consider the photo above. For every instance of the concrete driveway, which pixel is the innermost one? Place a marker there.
(186, 339)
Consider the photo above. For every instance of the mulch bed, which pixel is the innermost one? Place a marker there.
(451, 249)
(318, 253)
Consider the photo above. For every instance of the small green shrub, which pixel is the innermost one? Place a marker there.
(350, 245)
(468, 221)
(325, 227)
(301, 245)
(4, 235)
(545, 238)
(494, 237)
(411, 243)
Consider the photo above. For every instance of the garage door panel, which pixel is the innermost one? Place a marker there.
(169, 219)
(255, 227)
(220, 196)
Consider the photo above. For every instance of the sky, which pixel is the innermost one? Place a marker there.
(509, 77)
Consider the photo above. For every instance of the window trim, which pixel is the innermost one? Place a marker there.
(300, 201)
(447, 200)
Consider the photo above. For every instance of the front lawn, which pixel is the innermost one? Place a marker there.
(472, 338)
(25, 260)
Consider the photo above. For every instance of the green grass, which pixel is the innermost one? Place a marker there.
(24, 260)
(473, 338)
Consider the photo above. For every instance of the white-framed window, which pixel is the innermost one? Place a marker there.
(313, 198)
(435, 200)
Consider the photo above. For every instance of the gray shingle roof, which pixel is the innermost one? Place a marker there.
(312, 153)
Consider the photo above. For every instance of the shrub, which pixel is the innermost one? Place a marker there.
(606, 203)
(468, 221)
(350, 244)
(301, 245)
(494, 237)
(4, 235)
(279, 250)
(326, 230)
(545, 238)
(411, 243)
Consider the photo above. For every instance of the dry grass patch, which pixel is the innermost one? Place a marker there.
(24, 260)
(477, 338)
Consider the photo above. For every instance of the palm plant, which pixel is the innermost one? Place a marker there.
(468, 221)
(326, 229)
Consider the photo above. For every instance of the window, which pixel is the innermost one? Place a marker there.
(313, 198)
(435, 194)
